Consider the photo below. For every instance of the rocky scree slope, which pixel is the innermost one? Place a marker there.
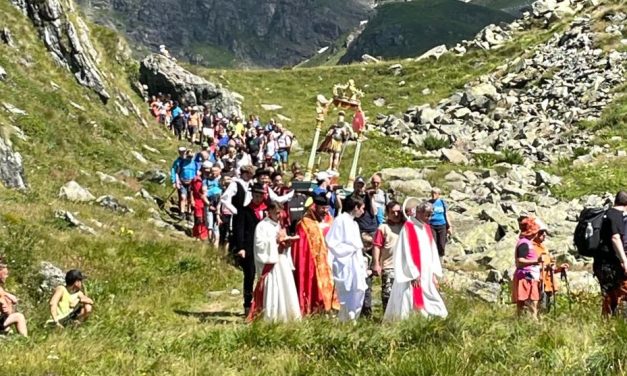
(532, 107)
(267, 33)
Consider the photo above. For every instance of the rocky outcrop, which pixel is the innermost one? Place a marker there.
(67, 38)
(266, 33)
(51, 277)
(11, 168)
(163, 75)
(73, 221)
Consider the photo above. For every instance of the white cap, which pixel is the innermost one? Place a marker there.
(207, 164)
(542, 225)
(182, 148)
(332, 173)
(322, 175)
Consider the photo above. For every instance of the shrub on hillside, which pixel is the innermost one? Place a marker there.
(432, 143)
(512, 156)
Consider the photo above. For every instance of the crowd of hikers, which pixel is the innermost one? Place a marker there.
(315, 247)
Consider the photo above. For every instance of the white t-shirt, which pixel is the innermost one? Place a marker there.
(271, 148)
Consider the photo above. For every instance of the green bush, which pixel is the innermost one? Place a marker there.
(579, 151)
(432, 143)
(486, 160)
(512, 156)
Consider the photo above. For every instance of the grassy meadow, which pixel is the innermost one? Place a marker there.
(164, 302)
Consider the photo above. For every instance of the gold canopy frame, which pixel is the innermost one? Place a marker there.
(345, 96)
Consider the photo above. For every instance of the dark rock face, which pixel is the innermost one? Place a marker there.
(163, 75)
(270, 33)
(67, 40)
(408, 29)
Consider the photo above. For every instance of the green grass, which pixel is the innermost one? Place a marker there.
(407, 29)
(163, 303)
(436, 143)
(296, 90)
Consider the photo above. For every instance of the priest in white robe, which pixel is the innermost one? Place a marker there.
(347, 259)
(275, 298)
(416, 268)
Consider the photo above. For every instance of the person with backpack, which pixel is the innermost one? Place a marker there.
(284, 143)
(177, 121)
(183, 171)
(440, 224)
(610, 261)
(212, 211)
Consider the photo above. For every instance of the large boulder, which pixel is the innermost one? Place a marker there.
(417, 187)
(454, 156)
(11, 169)
(486, 291)
(482, 97)
(163, 75)
(401, 173)
(51, 277)
(72, 191)
(476, 236)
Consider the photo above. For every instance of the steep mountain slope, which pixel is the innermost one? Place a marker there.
(408, 29)
(271, 33)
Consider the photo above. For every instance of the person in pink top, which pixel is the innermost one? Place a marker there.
(526, 283)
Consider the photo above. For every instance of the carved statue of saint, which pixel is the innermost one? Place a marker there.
(335, 140)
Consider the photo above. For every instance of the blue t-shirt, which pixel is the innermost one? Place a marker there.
(439, 213)
(185, 168)
(176, 112)
(224, 141)
(213, 188)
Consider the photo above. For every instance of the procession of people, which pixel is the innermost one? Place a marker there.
(315, 250)
(336, 244)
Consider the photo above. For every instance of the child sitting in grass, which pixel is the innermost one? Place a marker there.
(69, 303)
(8, 316)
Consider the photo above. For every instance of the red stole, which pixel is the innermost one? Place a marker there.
(259, 209)
(257, 306)
(414, 247)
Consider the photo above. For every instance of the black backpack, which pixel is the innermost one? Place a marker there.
(588, 231)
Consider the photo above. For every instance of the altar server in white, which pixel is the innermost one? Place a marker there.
(275, 297)
(347, 259)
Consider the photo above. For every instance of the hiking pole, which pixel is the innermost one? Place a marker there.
(162, 205)
(564, 277)
(543, 296)
(552, 274)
